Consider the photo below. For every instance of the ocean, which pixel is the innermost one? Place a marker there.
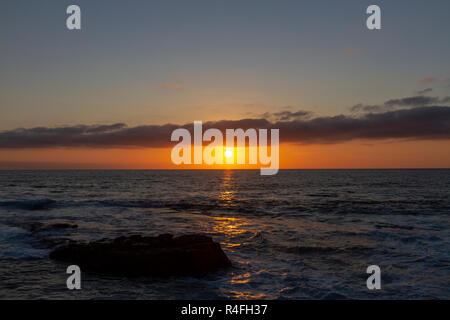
(301, 234)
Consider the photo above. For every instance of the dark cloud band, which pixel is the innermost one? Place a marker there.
(431, 123)
(415, 101)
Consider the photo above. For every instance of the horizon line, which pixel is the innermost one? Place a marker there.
(219, 169)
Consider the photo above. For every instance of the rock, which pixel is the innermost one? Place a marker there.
(162, 256)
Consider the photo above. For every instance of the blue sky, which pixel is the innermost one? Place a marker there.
(177, 61)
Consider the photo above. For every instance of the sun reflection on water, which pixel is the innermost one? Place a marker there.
(241, 278)
(246, 295)
(235, 233)
(232, 229)
(228, 188)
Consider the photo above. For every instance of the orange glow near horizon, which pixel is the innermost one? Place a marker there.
(375, 154)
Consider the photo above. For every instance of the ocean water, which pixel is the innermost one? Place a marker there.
(302, 234)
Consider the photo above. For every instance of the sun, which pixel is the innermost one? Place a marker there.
(228, 153)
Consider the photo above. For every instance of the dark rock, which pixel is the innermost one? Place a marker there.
(161, 256)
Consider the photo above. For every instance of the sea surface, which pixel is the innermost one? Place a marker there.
(302, 234)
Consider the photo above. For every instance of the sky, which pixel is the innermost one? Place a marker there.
(310, 67)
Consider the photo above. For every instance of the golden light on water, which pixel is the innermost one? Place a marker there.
(228, 188)
(241, 278)
(230, 227)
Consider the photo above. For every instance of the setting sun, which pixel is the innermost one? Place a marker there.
(228, 153)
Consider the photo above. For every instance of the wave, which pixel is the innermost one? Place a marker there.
(15, 244)
(131, 203)
(37, 204)
(326, 250)
(43, 204)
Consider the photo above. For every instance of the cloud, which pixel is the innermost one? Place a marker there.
(424, 91)
(285, 115)
(94, 136)
(428, 80)
(367, 108)
(288, 115)
(431, 123)
(417, 123)
(414, 101)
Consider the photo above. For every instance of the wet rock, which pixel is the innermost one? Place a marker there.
(162, 256)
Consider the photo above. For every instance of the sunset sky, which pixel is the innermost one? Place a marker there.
(109, 96)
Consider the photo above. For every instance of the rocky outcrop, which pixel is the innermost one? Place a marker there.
(161, 256)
